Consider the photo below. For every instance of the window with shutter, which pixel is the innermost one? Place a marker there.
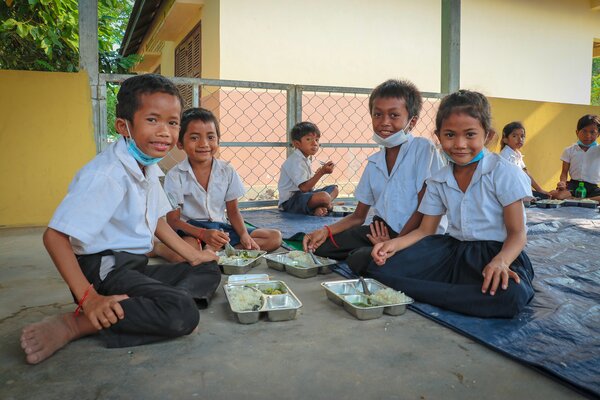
(188, 61)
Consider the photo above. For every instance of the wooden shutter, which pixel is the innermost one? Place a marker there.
(188, 61)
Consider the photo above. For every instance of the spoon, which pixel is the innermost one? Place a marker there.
(364, 285)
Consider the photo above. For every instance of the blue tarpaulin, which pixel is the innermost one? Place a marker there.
(558, 333)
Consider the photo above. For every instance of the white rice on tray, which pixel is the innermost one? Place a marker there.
(300, 257)
(244, 299)
(388, 296)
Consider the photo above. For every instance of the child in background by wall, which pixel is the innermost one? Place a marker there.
(481, 194)
(580, 162)
(100, 232)
(513, 138)
(393, 181)
(296, 186)
(205, 187)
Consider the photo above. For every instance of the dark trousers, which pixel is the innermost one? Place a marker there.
(446, 272)
(163, 299)
(353, 245)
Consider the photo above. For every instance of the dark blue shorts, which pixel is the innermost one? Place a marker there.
(234, 238)
(298, 203)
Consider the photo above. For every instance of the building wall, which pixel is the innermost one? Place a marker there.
(534, 49)
(46, 133)
(550, 127)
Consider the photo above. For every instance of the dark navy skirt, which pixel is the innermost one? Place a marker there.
(447, 273)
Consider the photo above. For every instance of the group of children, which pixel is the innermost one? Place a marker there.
(417, 192)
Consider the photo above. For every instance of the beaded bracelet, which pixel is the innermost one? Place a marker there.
(83, 299)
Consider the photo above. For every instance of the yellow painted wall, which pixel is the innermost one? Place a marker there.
(46, 135)
(550, 127)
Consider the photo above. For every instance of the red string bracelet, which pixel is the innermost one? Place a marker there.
(83, 298)
(200, 238)
(331, 236)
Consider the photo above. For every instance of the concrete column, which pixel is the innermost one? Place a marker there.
(88, 59)
(450, 68)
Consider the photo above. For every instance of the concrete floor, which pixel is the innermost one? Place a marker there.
(324, 353)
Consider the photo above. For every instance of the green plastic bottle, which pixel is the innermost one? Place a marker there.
(580, 192)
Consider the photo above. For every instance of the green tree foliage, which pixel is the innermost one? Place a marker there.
(42, 35)
(596, 82)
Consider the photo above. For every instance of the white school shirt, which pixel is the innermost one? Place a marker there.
(477, 214)
(515, 157)
(574, 156)
(224, 184)
(111, 205)
(591, 165)
(295, 171)
(394, 197)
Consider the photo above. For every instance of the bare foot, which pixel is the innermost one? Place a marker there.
(320, 211)
(42, 339)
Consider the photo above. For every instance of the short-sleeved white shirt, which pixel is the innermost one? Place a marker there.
(574, 156)
(224, 184)
(394, 197)
(295, 171)
(513, 156)
(111, 205)
(591, 165)
(477, 214)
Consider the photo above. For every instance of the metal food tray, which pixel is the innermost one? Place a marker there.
(278, 307)
(282, 262)
(549, 203)
(342, 210)
(581, 203)
(350, 291)
(241, 265)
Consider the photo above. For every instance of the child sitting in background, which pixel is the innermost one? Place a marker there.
(205, 187)
(296, 186)
(481, 194)
(513, 138)
(393, 181)
(100, 232)
(580, 162)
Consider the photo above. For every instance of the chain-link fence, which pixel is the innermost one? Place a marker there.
(256, 118)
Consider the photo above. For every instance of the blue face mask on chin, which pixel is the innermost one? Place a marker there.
(478, 157)
(138, 154)
(594, 143)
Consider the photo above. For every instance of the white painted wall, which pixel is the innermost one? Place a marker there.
(521, 49)
(529, 49)
(331, 42)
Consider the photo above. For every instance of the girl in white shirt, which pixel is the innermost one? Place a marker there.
(478, 268)
(513, 138)
(580, 163)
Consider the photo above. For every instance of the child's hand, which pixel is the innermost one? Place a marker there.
(313, 240)
(215, 238)
(248, 243)
(382, 251)
(562, 185)
(497, 272)
(103, 311)
(327, 168)
(203, 256)
(379, 232)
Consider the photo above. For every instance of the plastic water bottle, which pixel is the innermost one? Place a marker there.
(580, 192)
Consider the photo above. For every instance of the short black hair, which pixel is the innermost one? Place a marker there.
(400, 89)
(128, 98)
(193, 114)
(508, 129)
(469, 102)
(304, 128)
(588, 119)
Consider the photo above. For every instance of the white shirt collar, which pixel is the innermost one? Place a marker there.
(131, 165)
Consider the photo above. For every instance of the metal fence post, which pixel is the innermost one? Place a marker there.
(291, 116)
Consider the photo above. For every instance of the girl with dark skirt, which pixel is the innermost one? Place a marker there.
(479, 267)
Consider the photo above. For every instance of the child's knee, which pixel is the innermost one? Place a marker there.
(184, 318)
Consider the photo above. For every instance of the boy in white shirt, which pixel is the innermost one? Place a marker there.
(205, 187)
(100, 233)
(393, 181)
(296, 186)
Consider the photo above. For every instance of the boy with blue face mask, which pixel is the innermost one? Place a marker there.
(393, 181)
(100, 233)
